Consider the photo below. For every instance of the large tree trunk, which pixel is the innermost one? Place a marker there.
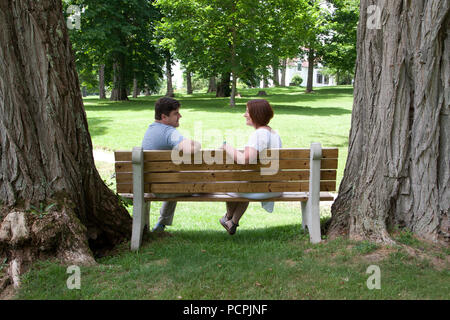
(275, 74)
(212, 87)
(265, 82)
(398, 167)
(233, 90)
(309, 82)
(169, 92)
(189, 82)
(119, 91)
(283, 72)
(101, 83)
(84, 91)
(136, 90)
(46, 149)
(223, 88)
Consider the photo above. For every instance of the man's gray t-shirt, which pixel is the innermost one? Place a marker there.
(161, 137)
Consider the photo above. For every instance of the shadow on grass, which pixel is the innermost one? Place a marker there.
(327, 139)
(247, 236)
(98, 126)
(284, 101)
(139, 106)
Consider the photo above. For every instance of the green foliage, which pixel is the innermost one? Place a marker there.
(121, 34)
(340, 47)
(125, 202)
(242, 37)
(42, 210)
(297, 80)
(198, 82)
(365, 247)
(405, 236)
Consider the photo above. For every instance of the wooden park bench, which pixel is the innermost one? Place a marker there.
(304, 175)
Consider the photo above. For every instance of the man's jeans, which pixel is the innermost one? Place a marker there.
(167, 210)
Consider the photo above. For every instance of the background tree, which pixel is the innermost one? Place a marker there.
(223, 38)
(46, 149)
(119, 35)
(339, 55)
(282, 31)
(313, 31)
(398, 167)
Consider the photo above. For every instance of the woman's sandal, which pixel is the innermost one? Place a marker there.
(231, 230)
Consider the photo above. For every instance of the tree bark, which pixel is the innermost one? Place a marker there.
(309, 82)
(398, 168)
(233, 90)
(169, 92)
(119, 91)
(275, 75)
(265, 82)
(212, 87)
(223, 89)
(46, 149)
(101, 83)
(283, 72)
(84, 91)
(188, 82)
(135, 88)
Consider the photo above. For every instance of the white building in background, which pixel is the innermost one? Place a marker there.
(300, 67)
(177, 79)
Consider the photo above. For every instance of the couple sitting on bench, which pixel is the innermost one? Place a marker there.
(163, 135)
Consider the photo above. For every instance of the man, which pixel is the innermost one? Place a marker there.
(163, 135)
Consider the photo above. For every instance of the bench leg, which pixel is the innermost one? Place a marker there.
(313, 204)
(141, 213)
(314, 221)
(147, 216)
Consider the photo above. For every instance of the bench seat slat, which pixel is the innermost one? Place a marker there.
(155, 155)
(167, 166)
(302, 186)
(215, 176)
(221, 197)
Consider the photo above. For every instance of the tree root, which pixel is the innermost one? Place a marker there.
(26, 237)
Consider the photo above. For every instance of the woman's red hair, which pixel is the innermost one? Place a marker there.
(260, 112)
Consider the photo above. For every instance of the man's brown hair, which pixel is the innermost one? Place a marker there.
(165, 106)
(260, 112)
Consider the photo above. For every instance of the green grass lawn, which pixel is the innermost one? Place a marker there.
(299, 119)
(270, 257)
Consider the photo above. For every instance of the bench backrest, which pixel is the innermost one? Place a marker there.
(162, 175)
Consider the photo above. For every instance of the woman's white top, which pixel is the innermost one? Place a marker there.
(260, 140)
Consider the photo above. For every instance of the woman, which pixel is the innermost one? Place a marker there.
(258, 115)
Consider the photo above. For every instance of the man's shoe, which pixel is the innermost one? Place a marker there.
(159, 227)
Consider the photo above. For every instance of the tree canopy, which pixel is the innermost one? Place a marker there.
(121, 36)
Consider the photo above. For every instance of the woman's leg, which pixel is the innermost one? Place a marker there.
(231, 207)
(235, 210)
(238, 211)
